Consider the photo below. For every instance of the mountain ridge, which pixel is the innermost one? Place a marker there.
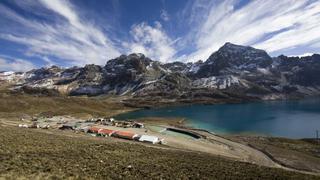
(232, 72)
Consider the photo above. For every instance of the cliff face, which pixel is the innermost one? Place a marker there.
(232, 72)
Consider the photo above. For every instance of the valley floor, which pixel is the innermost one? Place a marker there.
(35, 153)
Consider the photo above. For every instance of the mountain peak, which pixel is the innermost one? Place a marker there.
(139, 55)
(229, 44)
(234, 52)
(236, 47)
(235, 57)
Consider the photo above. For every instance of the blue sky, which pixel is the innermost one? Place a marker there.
(35, 33)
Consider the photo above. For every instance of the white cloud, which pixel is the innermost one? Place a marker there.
(302, 55)
(276, 26)
(151, 41)
(271, 25)
(316, 45)
(306, 32)
(164, 15)
(73, 38)
(48, 61)
(17, 65)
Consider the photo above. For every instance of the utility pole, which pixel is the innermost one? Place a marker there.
(317, 136)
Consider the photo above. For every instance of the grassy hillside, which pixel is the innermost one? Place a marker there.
(29, 153)
(296, 154)
(14, 106)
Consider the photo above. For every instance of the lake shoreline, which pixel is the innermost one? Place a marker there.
(294, 106)
(271, 147)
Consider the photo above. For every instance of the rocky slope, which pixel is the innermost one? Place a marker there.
(233, 72)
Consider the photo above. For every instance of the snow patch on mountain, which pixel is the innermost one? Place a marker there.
(12, 77)
(194, 68)
(218, 82)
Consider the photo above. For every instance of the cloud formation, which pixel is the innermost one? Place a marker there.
(270, 25)
(151, 41)
(17, 65)
(58, 31)
(164, 15)
(70, 38)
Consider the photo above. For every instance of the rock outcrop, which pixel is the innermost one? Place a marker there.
(233, 71)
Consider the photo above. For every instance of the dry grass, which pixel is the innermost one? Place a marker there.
(15, 106)
(296, 154)
(29, 153)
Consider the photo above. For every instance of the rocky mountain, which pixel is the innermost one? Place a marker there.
(232, 58)
(232, 72)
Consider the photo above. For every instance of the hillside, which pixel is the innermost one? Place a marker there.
(40, 154)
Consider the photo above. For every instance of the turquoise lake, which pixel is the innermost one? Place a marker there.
(292, 119)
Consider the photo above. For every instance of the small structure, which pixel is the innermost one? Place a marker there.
(122, 124)
(43, 126)
(150, 139)
(185, 132)
(84, 129)
(138, 125)
(125, 135)
(23, 126)
(68, 126)
(107, 122)
(33, 125)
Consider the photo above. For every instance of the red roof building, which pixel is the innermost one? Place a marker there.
(94, 129)
(125, 135)
(106, 132)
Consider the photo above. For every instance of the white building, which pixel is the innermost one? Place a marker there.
(150, 139)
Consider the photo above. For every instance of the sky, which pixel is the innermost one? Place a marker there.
(37, 33)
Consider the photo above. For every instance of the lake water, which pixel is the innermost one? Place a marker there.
(293, 119)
